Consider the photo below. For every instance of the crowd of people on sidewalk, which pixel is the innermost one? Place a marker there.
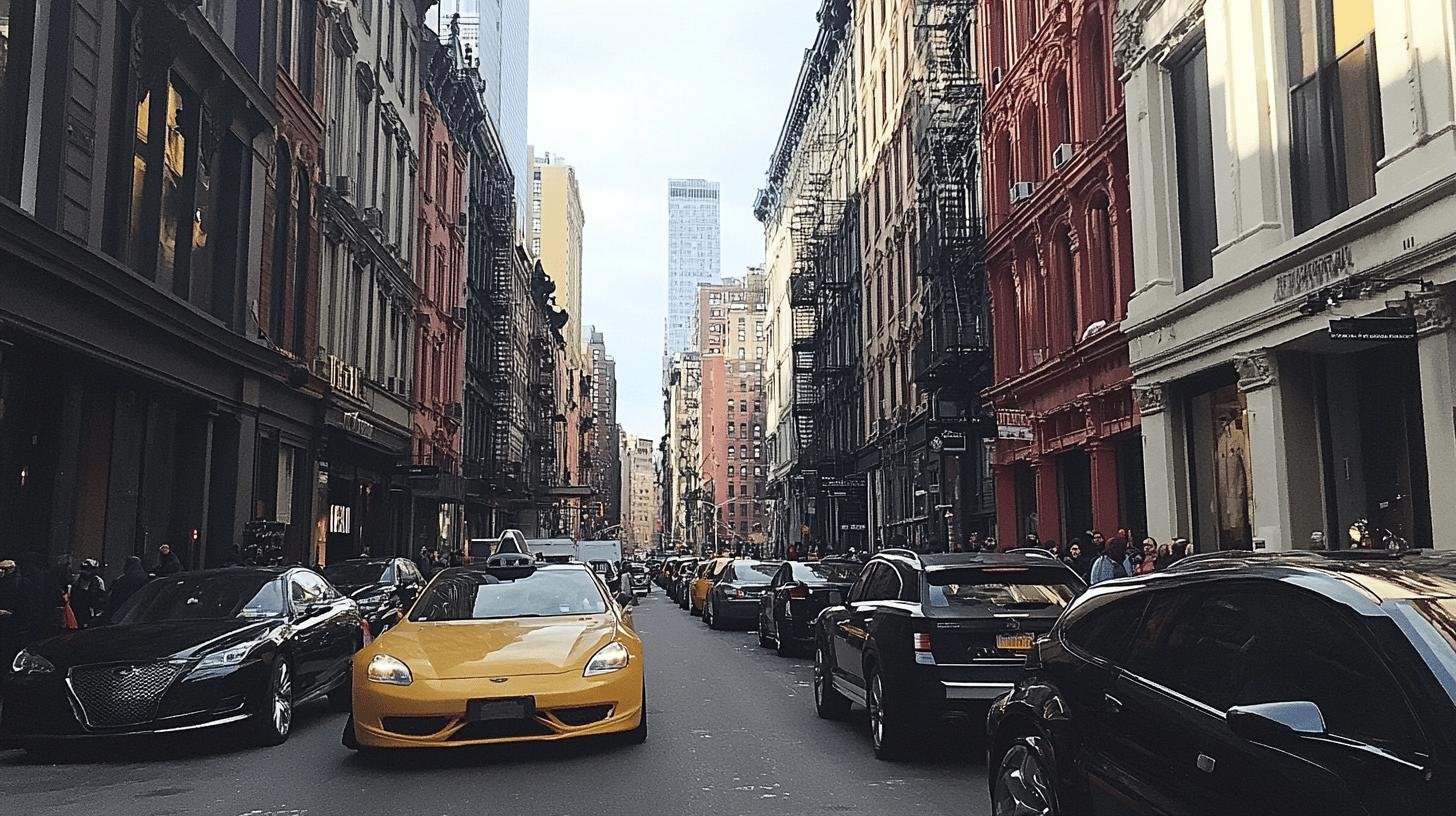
(38, 601)
(1096, 558)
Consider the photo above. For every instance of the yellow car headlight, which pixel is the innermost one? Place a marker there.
(386, 669)
(611, 657)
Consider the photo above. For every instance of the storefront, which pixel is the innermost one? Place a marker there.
(366, 507)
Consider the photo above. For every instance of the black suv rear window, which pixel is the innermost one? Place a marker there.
(1005, 587)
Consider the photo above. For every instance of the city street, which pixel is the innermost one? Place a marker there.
(733, 731)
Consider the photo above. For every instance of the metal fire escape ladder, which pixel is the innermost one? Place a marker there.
(954, 345)
(501, 298)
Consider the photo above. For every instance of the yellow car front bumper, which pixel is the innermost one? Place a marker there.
(432, 713)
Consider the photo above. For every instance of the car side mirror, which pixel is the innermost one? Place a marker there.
(626, 599)
(1276, 724)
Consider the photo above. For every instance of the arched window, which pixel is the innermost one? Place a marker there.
(1029, 141)
(1028, 15)
(996, 35)
(1005, 172)
(1093, 76)
(1104, 272)
(303, 255)
(1059, 112)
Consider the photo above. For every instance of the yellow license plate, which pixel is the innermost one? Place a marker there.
(1015, 643)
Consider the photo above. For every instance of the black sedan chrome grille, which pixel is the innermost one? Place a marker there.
(115, 696)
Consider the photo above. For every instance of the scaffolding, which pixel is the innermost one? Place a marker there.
(954, 345)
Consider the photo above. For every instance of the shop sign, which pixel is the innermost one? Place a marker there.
(853, 527)
(1013, 424)
(949, 442)
(344, 377)
(341, 518)
(1379, 328)
(355, 424)
(1315, 273)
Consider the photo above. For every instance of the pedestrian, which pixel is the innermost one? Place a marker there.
(1098, 543)
(133, 577)
(793, 553)
(1149, 562)
(973, 542)
(1032, 541)
(1112, 563)
(11, 638)
(1050, 545)
(1076, 560)
(167, 562)
(88, 595)
(989, 545)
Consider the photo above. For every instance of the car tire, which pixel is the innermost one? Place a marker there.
(892, 729)
(782, 646)
(764, 641)
(828, 702)
(638, 735)
(710, 618)
(273, 725)
(1024, 780)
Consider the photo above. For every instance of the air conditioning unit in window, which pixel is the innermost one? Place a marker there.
(1022, 190)
(372, 217)
(463, 220)
(344, 186)
(997, 76)
(1063, 155)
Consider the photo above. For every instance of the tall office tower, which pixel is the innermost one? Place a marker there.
(497, 32)
(694, 255)
(557, 223)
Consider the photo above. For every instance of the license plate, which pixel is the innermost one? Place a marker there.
(500, 708)
(1015, 643)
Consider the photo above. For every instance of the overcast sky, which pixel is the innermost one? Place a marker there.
(632, 92)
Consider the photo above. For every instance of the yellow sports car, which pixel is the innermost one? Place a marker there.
(509, 652)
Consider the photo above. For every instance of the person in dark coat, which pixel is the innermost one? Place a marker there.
(167, 562)
(133, 578)
(88, 594)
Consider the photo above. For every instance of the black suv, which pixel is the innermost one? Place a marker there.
(1250, 684)
(921, 635)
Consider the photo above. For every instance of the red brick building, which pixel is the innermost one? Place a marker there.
(1059, 259)
(437, 410)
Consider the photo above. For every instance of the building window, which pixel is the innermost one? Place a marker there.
(1334, 106)
(1193, 143)
(301, 268)
(307, 47)
(1104, 281)
(1093, 75)
(17, 30)
(282, 204)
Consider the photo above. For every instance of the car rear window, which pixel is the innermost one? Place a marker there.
(1006, 587)
(830, 572)
(754, 573)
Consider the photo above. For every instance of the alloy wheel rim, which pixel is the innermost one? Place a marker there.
(877, 713)
(819, 671)
(1021, 787)
(283, 700)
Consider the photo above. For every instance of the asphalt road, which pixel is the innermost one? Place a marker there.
(733, 731)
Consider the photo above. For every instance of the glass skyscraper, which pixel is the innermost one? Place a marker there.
(694, 255)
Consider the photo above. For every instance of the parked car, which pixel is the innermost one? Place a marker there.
(733, 599)
(682, 580)
(384, 588)
(798, 593)
(607, 571)
(707, 573)
(923, 635)
(1241, 683)
(240, 646)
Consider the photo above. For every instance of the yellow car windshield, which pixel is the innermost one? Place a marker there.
(470, 595)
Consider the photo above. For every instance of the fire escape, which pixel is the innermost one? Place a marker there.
(503, 471)
(806, 230)
(954, 349)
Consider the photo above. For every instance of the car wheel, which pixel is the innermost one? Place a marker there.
(275, 722)
(890, 725)
(709, 617)
(638, 735)
(829, 703)
(763, 639)
(1024, 782)
(783, 647)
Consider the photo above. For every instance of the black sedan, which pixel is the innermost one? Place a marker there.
(798, 592)
(1251, 684)
(733, 598)
(240, 646)
(384, 588)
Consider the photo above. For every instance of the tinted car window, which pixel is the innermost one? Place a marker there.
(1246, 645)
(826, 572)
(309, 588)
(357, 573)
(1011, 588)
(760, 573)
(1105, 626)
(471, 595)
(207, 597)
(880, 583)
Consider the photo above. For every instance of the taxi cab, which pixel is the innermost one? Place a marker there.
(513, 651)
(708, 572)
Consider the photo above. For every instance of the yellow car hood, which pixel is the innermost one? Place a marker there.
(460, 650)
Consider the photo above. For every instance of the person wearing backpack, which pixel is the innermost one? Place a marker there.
(1112, 563)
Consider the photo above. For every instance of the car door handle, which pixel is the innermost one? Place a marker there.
(1206, 763)
(1112, 703)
